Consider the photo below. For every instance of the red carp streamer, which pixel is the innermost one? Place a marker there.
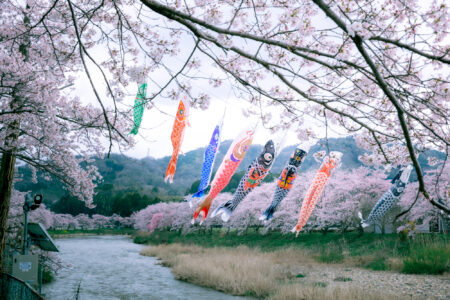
(177, 138)
(316, 188)
(231, 161)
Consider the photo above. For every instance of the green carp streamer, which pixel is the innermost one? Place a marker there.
(139, 108)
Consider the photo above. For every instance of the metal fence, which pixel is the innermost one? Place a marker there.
(12, 288)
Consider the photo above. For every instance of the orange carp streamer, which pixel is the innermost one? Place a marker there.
(177, 136)
(231, 161)
(315, 189)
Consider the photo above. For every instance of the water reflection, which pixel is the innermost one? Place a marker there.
(110, 267)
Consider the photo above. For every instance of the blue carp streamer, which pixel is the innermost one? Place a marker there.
(208, 162)
(284, 183)
(389, 198)
(256, 172)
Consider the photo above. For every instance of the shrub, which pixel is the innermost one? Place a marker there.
(427, 258)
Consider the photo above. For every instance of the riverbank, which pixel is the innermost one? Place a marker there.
(429, 254)
(290, 273)
(86, 232)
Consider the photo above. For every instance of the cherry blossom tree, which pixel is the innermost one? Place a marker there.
(42, 215)
(156, 218)
(348, 192)
(41, 122)
(415, 208)
(378, 68)
(64, 222)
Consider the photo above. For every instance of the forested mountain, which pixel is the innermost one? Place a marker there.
(129, 182)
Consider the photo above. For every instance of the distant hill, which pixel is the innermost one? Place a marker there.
(145, 176)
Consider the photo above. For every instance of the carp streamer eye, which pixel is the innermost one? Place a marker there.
(268, 156)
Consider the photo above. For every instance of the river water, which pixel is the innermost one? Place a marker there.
(110, 267)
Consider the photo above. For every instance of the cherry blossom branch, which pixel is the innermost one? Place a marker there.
(382, 84)
(441, 58)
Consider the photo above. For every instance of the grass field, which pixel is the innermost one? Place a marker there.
(429, 254)
(78, 232)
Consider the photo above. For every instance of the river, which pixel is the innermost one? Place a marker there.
(110, 267)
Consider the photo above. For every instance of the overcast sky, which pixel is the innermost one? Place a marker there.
(153, 138)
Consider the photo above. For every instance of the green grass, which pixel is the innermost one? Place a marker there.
(427, 257)
(377, 264)
(333, 244)
(427, 253)
(332, 254)
(343, 279)
(105, 231)
(320, 284)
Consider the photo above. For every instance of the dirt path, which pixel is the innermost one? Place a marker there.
(400, 285)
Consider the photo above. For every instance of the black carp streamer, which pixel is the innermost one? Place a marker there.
(256, 172)
(284, 183)
(389, 198)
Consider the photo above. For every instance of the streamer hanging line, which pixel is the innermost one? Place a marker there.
(138, 109)
(284, 183)
(179, 125)
(230, 163)
(389, 198)
(314, 191)
(256, 172)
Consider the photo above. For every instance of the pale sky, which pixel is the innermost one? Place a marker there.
(156, 127)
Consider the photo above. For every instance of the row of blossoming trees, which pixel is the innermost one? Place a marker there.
(347, 192)
(51, 220)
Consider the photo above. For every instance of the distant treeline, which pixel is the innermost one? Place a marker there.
(130, 184)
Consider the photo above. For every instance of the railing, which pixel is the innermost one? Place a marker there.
(12, 288)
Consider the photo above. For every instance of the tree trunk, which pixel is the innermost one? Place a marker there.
(360, 229)
(6, 179)
(9, 156)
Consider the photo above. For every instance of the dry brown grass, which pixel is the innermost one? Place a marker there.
(244, 271)
(296, 292)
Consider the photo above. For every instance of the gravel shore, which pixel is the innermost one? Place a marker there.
(396, 284)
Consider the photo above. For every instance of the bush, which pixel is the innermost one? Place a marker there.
(47, 276)
(427, 258)
(141, 238)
